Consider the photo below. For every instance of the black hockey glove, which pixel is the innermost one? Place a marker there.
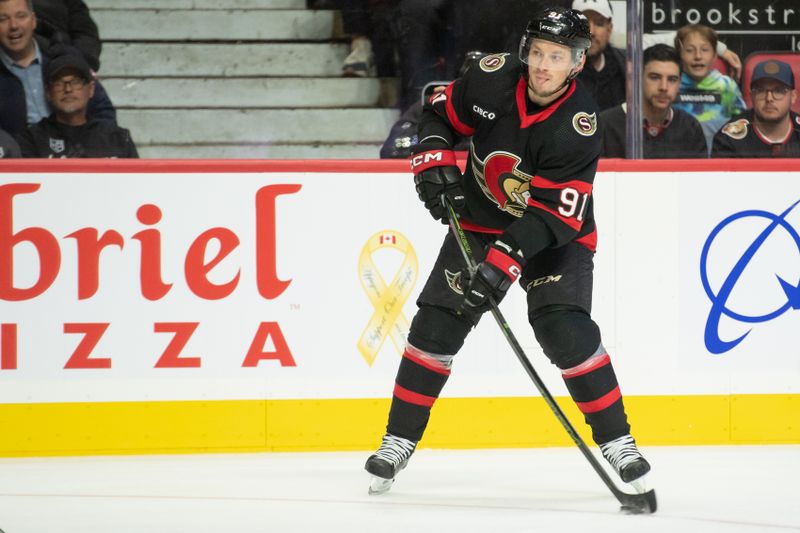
(436, 173)
(494, 275)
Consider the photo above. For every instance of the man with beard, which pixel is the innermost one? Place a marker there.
(770, 128)
(668, 132)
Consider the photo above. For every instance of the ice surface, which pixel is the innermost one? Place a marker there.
(700, 490)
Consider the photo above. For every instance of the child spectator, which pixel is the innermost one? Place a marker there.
(710, 96)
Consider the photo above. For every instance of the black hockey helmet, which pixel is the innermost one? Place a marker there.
(559, 25)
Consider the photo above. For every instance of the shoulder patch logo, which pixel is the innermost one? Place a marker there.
(492, 62)
(737, 129)
(584, 123)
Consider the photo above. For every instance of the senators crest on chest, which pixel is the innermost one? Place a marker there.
(502, 181)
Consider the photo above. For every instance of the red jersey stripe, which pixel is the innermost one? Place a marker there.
(413, 397)
(571, 222)
(589, 241)
(538, 182)
(477, 228)
(601, 403)
(524, 118)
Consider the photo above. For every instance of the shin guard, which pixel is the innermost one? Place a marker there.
(594, 388)
(419, 382)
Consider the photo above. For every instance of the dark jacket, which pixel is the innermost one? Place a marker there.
(8, 146)
(69, 22)
(608, 85)
(13, 110)
(682, 138)
(97, 138)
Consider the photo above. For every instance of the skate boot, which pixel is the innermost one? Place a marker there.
(390, 459)
(626, 459)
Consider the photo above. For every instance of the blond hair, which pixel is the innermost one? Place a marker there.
(703, 31)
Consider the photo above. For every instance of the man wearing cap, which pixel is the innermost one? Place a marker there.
(604, 74)
(22, 61)
(770, 128)
(68, 132)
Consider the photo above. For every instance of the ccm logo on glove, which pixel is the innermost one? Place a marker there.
(432, 158)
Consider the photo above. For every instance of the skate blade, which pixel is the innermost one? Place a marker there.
(640, 485)
(379, 485)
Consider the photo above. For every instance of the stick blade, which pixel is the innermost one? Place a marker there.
(644, 503)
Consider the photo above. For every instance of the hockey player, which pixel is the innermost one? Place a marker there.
(526, 203)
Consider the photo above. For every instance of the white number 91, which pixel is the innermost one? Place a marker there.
(569, 203)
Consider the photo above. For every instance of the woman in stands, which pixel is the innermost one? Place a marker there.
(707, 94)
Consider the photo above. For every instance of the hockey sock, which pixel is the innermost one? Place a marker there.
(419, 382)
(594, 388)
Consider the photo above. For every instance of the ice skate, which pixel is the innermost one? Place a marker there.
(628, 462)
(390, 459)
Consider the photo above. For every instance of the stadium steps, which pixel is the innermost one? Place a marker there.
(238, 79)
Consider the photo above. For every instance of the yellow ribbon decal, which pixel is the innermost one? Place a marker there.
(388, 319)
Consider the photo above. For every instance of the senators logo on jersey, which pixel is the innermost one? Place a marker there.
(492, 62)
(737, 129)
(584, 123)
(502, 182)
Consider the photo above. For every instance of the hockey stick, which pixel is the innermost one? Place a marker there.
(631, 503)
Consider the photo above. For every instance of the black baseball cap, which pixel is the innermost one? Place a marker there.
(62, 63)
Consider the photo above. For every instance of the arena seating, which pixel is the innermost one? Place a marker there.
(237, 79)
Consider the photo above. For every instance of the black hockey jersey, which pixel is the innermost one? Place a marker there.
(523, 159)
(739, 138)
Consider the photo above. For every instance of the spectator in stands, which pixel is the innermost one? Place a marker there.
(668, 132)
(710, 96)
(770, 129)
(403, 135)
(368, 23)
(8, 146)
(68, 132)
(69, 22)
(22, 94)
(604, 73)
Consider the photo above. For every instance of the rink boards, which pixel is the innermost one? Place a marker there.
(157, 306)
